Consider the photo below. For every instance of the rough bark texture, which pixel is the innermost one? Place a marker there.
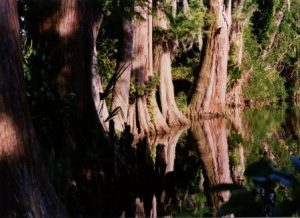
(122, 86)
(148, 117)
(140, 65)
(209, 96)
(25, 189)
(162, 67)
(211, 138)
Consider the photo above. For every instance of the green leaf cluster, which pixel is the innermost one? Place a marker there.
(183, 25)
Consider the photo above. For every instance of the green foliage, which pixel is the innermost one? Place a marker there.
(140, 90)
(118, 7)
(107, 51)
(274, 76)
(184, 25)
(182, 73)
(152, 83)
(284, 55)
(234, 72)
(234, 139)
(266, 85)
(181, 101)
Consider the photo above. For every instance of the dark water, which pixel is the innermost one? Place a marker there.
(171, 175)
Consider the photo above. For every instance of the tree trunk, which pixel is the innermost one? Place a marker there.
(97, 88)
(25, 188)
(211, 138)
(122, 86)
(209, 96)
(162, 67)
(68, 29)
(148, 116)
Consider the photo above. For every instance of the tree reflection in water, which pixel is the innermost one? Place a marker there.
(211, 139)
(156, 187)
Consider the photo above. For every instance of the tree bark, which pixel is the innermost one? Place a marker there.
(162, 67)
(97, 88)
(209, 96)
(211, 138)
(25, 188)
(122, 86)
(68, 29)
(148, 117)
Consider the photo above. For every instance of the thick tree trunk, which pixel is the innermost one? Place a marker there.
(25, 189)
(68, 29)
(97, 88)
(162, 67)
(211, 139)
(122, 86)
(209, 96)
(148, 116)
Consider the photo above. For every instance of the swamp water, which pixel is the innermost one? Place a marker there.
(171, 175)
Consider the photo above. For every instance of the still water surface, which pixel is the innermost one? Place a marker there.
(170, 175)
(218, 151)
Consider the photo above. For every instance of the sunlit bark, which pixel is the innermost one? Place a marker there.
(25, 189)
(211, 138)
(149, 118)
(163, 47)
(209, 96)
